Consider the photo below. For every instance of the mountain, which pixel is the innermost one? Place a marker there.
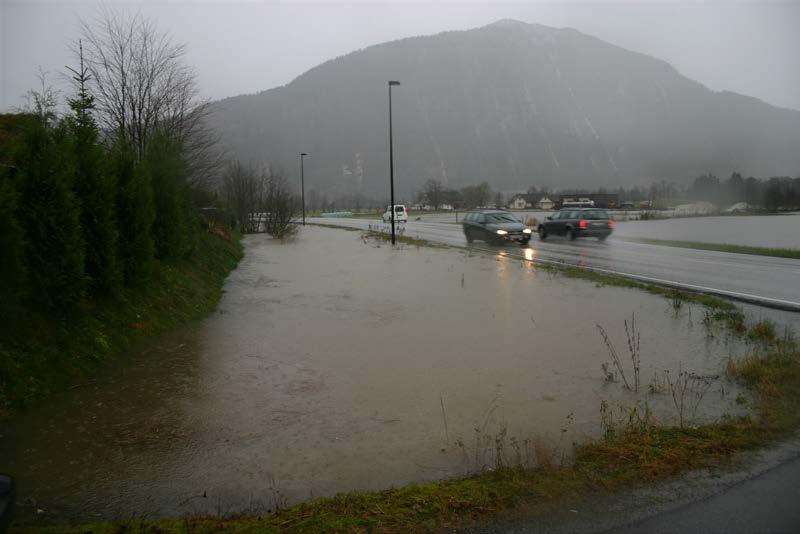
(511, 103)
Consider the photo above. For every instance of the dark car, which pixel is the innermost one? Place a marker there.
(572, 223)
(494, 226)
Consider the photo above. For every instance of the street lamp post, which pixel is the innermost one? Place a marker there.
(303, 186)
(391, 158)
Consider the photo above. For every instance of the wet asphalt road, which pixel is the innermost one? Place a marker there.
(768, 504)
(761, 279)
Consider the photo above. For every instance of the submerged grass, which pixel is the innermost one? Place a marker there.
(723, 247)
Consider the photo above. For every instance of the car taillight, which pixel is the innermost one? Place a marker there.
(610, 223)
(582, 224)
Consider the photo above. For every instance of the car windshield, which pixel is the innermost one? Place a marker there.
(501, 218)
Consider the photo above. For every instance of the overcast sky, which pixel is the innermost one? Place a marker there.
(238, 47)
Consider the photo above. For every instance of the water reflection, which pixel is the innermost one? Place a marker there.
(530, 254)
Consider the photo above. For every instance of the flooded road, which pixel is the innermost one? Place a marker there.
(766, 280)
(336, 363)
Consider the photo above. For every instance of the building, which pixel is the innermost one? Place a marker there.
(600, 200)
(519, 202)
(545, 204)
(525, 201)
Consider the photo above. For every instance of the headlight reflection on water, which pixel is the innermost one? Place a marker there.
(529, 254)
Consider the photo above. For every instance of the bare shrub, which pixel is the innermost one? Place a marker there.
(143, 86)
(279, 206)
(260, 201)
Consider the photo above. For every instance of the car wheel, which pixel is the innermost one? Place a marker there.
(602, 238)
(542, 233)
(468, 235)
(570, 234)
(525, 242)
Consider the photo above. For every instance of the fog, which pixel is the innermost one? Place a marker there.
(244, 47)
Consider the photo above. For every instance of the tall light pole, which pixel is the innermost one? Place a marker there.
(303, 186)
(391, 158)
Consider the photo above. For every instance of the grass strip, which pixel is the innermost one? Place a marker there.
(407, 240)
(792, 253)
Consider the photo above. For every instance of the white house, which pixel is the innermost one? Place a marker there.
(545, 204)
(519, 202)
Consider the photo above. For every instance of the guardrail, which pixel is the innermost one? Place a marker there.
(337, 214)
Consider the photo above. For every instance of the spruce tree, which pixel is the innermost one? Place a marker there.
(175, 224)
(50, 217)
(94, 186)
(12, 271)
(135, 214)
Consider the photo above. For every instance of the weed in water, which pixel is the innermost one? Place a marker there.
(677, 302)
(634, 342)
(608, 373)
(762, 332)
(634, 339)
(444, 418)
(614, 356)
(688, 390)
(630, 419)
(658, 384)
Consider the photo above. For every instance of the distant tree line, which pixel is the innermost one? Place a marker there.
(760, 193)
(772, 194)
(92, 199)
(436, 195)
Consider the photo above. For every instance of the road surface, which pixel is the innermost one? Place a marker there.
(768, 503)
(763, 280)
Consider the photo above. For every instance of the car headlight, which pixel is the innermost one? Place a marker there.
(527, 231)
(501, 232)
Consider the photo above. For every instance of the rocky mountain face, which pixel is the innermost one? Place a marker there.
(510, 103)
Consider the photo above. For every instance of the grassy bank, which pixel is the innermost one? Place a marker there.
(722, 247)
(41, 354)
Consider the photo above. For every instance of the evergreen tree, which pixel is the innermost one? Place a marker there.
(135, 214)
(94, 187)
(12, 270)
(50, 217)
(175, 223)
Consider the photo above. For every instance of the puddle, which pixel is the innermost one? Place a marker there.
(335, 365)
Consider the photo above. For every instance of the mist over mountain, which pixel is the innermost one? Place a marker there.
(510, 103)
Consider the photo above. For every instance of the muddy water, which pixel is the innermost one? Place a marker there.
(334, 364)
(780, 231)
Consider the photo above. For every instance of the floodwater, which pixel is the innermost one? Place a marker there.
(336, 363)
(780, 231)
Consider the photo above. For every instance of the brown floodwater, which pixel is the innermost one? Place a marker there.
(335, 363)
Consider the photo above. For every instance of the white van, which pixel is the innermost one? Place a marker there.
(400, 214)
